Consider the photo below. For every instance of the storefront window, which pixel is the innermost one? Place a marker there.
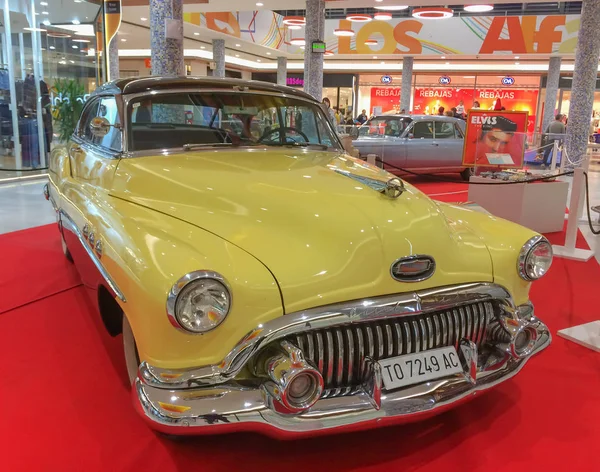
(47, 71)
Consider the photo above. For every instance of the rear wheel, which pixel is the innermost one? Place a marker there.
(467, 173)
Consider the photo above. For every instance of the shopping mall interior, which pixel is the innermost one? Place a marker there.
(238, 235)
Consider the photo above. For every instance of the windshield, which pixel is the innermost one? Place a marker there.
(384, 126)
(226, 118)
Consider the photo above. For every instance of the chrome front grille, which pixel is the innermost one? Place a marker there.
(339, 352)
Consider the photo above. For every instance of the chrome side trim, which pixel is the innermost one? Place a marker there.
(390, 306)
(68, 224)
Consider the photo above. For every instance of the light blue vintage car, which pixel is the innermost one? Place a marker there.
(419, 143)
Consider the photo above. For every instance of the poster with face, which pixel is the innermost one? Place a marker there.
(495, 139)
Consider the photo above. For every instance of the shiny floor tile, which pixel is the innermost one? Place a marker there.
(22, 206)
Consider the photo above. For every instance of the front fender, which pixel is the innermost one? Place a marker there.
(146, 252)
(504, 241)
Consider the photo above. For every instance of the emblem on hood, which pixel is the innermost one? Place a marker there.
(392, 188)
(413, 268)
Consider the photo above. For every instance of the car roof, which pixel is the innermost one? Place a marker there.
(419, 117)
(152, 83)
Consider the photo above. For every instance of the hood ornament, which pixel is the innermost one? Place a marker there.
(393, 188)
(413, 268)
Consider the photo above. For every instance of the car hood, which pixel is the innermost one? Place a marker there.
(311, 217)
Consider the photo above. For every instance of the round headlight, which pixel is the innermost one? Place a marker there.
(198, 302)
(535, 258)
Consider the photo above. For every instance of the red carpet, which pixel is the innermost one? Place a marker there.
(67, 406)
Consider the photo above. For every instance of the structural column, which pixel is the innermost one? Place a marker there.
(282, 70)
(551, 91)
(113, 58)
(166, 37)
(219, 57)
(584, 80)
(313, 62)
(407, 79)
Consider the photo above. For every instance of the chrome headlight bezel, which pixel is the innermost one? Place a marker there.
(185, 281)
(526, 251)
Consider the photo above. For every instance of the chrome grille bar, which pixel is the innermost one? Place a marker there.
(339, 353)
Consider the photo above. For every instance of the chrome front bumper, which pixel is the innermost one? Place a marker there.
(229, 406)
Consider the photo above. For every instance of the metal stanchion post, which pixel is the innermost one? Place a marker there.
(554, 155)
(569, 251)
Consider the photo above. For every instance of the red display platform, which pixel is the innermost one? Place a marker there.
(67, 406)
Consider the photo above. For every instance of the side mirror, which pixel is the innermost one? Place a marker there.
(99, 126)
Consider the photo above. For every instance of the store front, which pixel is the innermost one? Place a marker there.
(380, 93)
(49, 65)
(338, 88)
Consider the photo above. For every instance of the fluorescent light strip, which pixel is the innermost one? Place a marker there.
(366, 66)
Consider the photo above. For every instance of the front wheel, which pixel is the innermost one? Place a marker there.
(467, 173)
(132, 357)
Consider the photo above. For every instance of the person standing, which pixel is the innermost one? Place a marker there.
(362, 118)
(441, 111)
(555, 132)
(460, 109)
(330, 112)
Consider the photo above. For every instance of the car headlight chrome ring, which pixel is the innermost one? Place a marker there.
(535, 258)
(199, 302)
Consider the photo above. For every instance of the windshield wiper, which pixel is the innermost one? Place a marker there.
(324, 147)
(190, 146)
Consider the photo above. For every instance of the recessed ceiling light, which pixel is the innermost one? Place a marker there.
(72, 62)
(298, 41)
(268, 54)
(379, 1)
(143, 19)
(294, 20)
(202, 47)
(196, 34)
(382, 16)
(294, 27)
(45, 13)
(432, 13)
(382, 62)
(392, 7)
(123, 40)
(479, 8)
(359, 18)
(34, 29)
(37, 14)
(371, 42)
(259, 4)
(258, 60)
(46, 22)
(44, 4)
(76, 22)
(51, 47)
(343, 32)
(443, 57)
(374, 57)
(238, 45)
(447, 63)
(75, 47)
(80, 40)
(516, 57)
(237, 55)
(62, 62)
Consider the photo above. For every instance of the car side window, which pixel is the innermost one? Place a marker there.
(459, 132)
(88, 114)
(423, 130)
(112, 140)
(444, 130)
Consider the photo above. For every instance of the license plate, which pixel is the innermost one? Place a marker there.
(416, 368)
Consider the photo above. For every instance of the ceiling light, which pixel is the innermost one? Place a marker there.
(75, 47)
(516, 57)
(259, 4)
(123, 40)
(72, 62)
(45, 13)
(238, 45)
(80, 40)
(268, 54)
(202, 47)
(143, 19)
(443, 57)
(44, 4)
(359, 18)
(294, 20)
(343, 32)
(196, 34)
(298, 41)
(382, 16)
(374, 57)
(258, 60)
(237, 55)
(371, 42)
(382, 62)
(432, 13)
(393, 7)
(56, 34)
(379, 1)
(34, 29)
(329, 53)
(479, 8)
(76, 22)
(51, 47)
(46, 22)
(62, 62)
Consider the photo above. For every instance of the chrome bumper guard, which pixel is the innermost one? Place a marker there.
(222, 404)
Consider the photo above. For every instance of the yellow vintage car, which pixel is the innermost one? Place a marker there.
(262, 279)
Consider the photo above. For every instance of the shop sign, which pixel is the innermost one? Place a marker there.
(386, 99)
(495, 138)
(294, 82)
(386, 79)
(508, 81)
(445, 80)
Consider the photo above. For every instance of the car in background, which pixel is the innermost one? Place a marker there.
(261, 279)
(418, 143)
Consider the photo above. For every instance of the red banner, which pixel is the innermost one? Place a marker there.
(428, 100)
(385, 100)
(495, 138)
(511, 100)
